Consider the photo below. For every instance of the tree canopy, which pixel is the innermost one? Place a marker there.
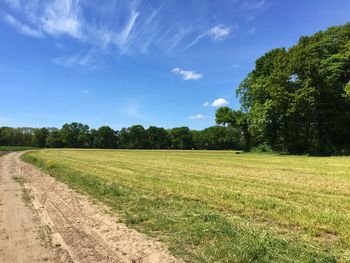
(298, 100)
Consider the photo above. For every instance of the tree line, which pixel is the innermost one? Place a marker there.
(297, 100)
(78, 135)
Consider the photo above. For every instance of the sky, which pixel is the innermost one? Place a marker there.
(167, 63)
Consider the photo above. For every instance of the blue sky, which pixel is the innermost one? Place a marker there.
(122, 62)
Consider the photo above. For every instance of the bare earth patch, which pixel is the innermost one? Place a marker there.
(64, 226)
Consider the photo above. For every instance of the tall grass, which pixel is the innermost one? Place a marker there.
(219, 206)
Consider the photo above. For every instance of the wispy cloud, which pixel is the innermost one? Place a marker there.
(250, 18)
(252, 30)
(219, 32)
(216, 33)
(197, 117)
(219, 103)
(206, 104)
(88, 60)
(123, 37)
(13, 3)
(62, 17)
(132, 109)
(121, 27)
(254, 4)
(22, 28)
(187, 74)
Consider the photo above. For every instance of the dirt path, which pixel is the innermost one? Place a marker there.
(62, 226)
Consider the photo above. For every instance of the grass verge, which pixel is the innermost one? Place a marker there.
(15, 148)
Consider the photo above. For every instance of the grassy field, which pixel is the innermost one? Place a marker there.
(14, 148)
(214, 206)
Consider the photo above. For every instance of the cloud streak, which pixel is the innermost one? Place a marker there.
(86, 60)
(22, 28)
(216, 33)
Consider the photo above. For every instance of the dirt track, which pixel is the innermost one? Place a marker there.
(59, 225)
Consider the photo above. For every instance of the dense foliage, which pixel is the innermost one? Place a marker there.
(78, 135)
(298, 100)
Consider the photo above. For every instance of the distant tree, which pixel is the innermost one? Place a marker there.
(158, 138)
(137, 137)
(134, 137)
(235, 119)
(75, 135)
(54, 140)
(105, 138)
(39, 138)
(6, 136)
(123, 138)
(15, 137)
(181, 138)
(218, 138)
(200, 141)
(92, 138)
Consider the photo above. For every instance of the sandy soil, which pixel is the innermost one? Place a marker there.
(60, 225)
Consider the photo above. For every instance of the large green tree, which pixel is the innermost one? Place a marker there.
(297, 100)
(105, 137)
(158, 138)
(235, 119)
(75, 135)
(39, 138)
(181, 138)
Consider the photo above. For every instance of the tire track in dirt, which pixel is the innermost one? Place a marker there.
(23, 235)
(84, 230)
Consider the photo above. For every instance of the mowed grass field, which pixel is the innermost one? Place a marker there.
(217, 206)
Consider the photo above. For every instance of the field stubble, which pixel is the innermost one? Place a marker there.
(211, 206)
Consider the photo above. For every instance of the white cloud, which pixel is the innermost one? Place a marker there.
(187, 74)
(219, 103)
(219, 32)
(197, 117)
(63, 17)
(252, 30)
(22, 28)
(206, 104)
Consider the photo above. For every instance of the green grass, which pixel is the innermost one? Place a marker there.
(216, 206)
(14, 148)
